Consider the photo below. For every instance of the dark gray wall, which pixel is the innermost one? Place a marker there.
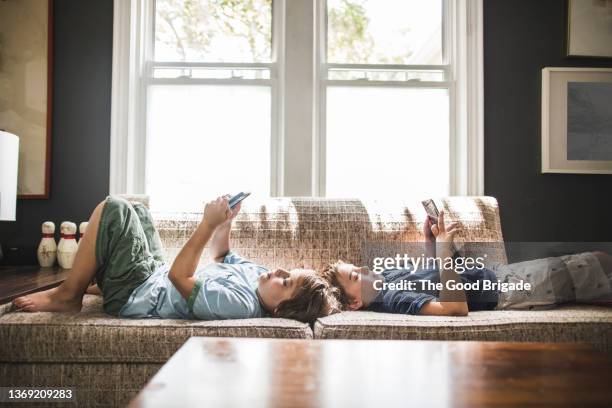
(83, 35)
(520, 38)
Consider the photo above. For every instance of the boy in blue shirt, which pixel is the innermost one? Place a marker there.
(123, 251)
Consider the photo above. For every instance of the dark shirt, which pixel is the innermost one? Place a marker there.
(411, 302)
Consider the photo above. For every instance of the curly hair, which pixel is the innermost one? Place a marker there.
(330, 275)
(314, 299)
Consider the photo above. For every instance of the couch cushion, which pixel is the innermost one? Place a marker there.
(93, 336)
(589, 324)
(312, 232)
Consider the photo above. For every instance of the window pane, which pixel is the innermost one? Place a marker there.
(387, 142)
(384, 31)
(213, 30)
(212, 73)
(385, 75)
(204, 141)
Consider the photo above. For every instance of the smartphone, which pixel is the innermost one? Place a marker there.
(238, 198)
(433, 213)
(431, 210)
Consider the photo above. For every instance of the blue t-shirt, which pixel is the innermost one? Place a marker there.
(411, 302)
(222, 291)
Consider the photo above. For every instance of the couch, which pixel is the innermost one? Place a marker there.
(109, 359)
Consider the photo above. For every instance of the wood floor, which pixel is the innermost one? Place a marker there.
(17, 281)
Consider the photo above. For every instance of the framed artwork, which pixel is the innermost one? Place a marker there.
(26, 40)
(577, 120)
(589, 28)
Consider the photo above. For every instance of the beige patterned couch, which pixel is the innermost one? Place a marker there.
(109, 359)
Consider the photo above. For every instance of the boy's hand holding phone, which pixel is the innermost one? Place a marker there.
(216, 212)
(442, 232)
(444, 236)
(429, 236)
(434, 227)
(233, 210)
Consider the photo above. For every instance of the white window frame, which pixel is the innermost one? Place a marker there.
(298, 121)
(468, 125)
(462, 66)
(126, 158)
(133, 73)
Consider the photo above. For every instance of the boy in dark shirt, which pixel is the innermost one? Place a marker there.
(576, 278)
(358, 288)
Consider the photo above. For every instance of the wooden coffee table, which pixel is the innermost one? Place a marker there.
(210, 372)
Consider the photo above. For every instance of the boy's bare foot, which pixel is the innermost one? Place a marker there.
(52, 300)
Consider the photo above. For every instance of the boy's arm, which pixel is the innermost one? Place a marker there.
(451, 302)
(220, 243)
(186, 262)
(430, 239)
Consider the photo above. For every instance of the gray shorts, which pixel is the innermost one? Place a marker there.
(555, 280)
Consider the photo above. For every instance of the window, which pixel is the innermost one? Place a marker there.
(209, 100)
(386, 90)
(337, 98)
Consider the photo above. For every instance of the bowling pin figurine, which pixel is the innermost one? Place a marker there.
(82, 229)
(47, 249)
(67, 248)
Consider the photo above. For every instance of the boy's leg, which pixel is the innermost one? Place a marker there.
(570, 278)
(68, 296)
(605, 260)
(153, 239)
(124, 260)
(591, 275)
(548, 278)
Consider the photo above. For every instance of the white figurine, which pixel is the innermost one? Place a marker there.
(67, 248)
(47, 249)
(82, 229)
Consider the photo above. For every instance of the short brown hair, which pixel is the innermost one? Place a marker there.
(330, 274)
(314, 299)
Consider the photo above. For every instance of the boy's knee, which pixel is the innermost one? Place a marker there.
(96, 214)
(118, 207)
(99, 207)
(112, 209)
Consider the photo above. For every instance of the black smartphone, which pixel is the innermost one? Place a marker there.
(238, 198)
(431, 210)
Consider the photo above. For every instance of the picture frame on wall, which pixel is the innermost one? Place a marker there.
(589, 28)
(26, 64)
(577, 120)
